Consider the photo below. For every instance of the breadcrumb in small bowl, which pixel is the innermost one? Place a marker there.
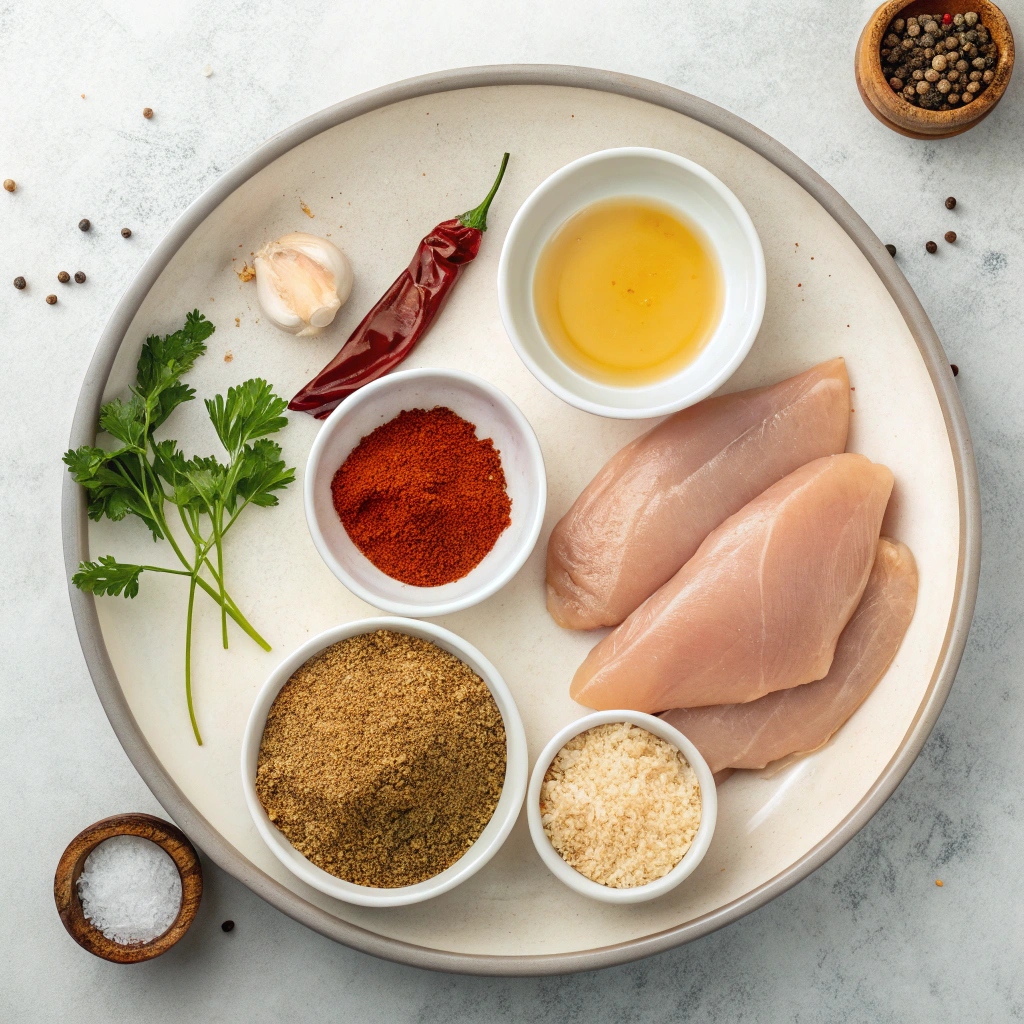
(621, 806)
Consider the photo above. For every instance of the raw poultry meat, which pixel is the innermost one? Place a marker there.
(801, 719)
(647, 511)
(761, 604)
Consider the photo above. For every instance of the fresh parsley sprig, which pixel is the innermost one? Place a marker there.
(144, 476)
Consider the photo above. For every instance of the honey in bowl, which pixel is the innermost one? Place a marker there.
(628, 293)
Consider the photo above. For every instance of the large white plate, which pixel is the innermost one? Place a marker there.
(377, 172)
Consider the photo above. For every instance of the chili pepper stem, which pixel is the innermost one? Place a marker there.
(477, 218)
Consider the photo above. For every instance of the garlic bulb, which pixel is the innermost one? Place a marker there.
(302, 281)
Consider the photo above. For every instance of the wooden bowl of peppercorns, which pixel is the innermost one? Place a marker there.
(931, 76)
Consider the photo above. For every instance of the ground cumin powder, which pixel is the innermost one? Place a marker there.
(382, 759)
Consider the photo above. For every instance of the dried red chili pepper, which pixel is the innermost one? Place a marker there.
(388, 333)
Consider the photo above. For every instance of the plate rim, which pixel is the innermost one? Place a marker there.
(74, 523)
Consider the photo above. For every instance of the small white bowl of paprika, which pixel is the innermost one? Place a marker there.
(414, 519)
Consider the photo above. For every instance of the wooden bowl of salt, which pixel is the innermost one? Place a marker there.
(134, 862)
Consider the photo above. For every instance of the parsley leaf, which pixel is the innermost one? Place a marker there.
(162, 363)
(261, 472)
(125, 421)
(250, 410)
(108, 576)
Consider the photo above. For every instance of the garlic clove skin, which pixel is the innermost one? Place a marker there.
(301, 282)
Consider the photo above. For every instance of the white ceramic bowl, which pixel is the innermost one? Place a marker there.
(497, 829)
(671, 181)
(496, 417)
(693, 856)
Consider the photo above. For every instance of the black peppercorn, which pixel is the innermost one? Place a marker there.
(955, 369)
(79, 277)
(84, 225)
(951, 203)
(227, 926)
(63, 277)
(931, 246)
(19, 283)
(126, 232)
(950, 236)
(51, 300)
(890, 249)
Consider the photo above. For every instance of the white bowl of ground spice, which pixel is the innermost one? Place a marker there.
(425, 491)
(621, 806)
(384, 762)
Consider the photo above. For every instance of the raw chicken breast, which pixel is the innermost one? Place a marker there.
(761, 604)
(647, 511)
(803, 718)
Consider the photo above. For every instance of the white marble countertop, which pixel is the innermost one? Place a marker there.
(869, 937)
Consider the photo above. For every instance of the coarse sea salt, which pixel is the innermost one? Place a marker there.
(130, 889)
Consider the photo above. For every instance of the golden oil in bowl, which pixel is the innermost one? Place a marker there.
(627, 293)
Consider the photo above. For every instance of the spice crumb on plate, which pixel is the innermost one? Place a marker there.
(620, 805)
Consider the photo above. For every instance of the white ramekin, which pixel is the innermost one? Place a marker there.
(674, 182)
(498, 828)
(693, 856)
(496, 417)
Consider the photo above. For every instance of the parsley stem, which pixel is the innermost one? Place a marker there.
(188, 659)
(218, 519)
(226, 603)
(233, 611)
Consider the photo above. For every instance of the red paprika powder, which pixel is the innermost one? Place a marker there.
(423, 497)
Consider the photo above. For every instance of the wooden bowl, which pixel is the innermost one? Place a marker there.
(895, 112)
(65, 885)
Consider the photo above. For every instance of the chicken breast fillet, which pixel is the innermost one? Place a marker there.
(761, 604)
(801, 719)
(647, 511)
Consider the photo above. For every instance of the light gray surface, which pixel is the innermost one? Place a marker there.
(869, 937)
